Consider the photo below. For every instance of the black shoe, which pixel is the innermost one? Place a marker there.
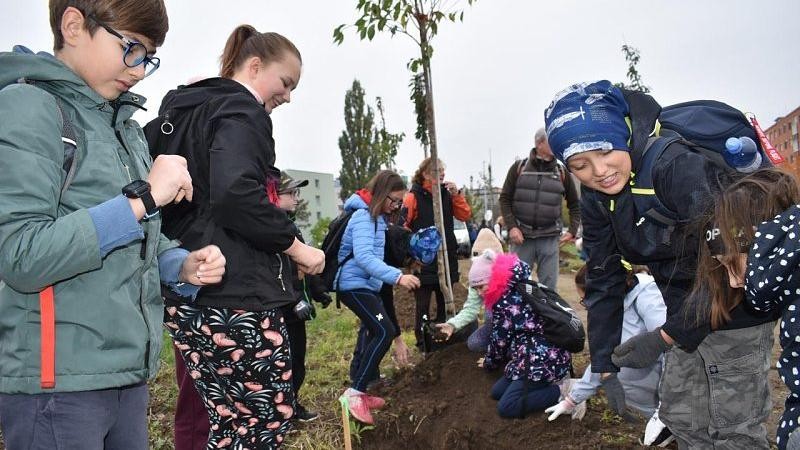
(304, 415)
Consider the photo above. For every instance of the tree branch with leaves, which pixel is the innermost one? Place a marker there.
(632, 56)
(418, 20)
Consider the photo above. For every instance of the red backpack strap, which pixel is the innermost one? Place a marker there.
(48, 338)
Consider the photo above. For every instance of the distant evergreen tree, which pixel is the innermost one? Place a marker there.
(365, 148)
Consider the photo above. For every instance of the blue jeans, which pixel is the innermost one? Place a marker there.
(107, 419)
(514, 401)
(478, 341)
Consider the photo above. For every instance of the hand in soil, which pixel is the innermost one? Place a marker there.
(443, 332)
(401, 354)
(615, 395)
(480, 363)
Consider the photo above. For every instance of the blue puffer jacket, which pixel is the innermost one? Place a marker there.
(366, 239)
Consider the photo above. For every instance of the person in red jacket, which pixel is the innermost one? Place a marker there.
(418, 213)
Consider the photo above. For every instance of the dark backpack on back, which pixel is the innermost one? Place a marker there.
(330, 246)
(701, 125)
(562, 327)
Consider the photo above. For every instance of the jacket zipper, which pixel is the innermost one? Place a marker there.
(280, 273)
(121, 139)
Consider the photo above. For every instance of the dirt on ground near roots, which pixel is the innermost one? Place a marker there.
(444, 402)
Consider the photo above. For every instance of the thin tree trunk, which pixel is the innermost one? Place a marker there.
(445, 283)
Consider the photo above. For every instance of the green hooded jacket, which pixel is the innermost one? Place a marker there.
(108, 310)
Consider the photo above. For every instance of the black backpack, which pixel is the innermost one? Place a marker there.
(702, 126)
(562, 327)
(330, 246)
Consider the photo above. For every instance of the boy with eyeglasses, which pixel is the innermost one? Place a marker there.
(81, 253)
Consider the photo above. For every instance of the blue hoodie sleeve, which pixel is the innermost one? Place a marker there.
(364, 236)
(650, 306)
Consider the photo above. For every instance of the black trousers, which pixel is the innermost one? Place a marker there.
(423, 307)
(297, 345)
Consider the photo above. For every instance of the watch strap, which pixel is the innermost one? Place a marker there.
(150, 207)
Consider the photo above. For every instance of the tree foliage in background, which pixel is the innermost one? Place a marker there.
(418, 20)
(319, 230)
(386, 144)
(632, 57)
(475, 203)
(365, 147)
(301, 213)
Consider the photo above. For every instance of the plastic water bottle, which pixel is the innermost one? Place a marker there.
(742, 154)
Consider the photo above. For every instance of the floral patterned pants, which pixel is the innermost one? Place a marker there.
(242, 369)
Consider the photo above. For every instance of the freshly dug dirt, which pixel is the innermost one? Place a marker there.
(444, 403)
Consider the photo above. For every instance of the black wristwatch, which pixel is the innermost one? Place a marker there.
(141, 189)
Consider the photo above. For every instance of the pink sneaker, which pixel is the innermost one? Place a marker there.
(357, 406)
(374, 402)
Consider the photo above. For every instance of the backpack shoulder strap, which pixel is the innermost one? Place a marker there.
(644, 194)
(561, 169)
(521, 165)
(69, 139)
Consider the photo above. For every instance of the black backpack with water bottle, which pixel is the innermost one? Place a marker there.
(701, 126)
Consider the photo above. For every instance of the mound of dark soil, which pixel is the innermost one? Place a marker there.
(444, 403)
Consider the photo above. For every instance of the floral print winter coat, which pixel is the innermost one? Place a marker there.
(517, 331)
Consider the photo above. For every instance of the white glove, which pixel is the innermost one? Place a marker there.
(566, 406)
(562, 407)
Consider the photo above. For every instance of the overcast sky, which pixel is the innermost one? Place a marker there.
(493, 74)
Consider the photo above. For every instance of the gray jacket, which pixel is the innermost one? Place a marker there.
(644, 311)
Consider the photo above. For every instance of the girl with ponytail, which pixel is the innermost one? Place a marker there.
(232, 339)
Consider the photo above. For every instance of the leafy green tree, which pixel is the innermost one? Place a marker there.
(475, 203)
(418, 20)
(632, 57)
(301, 213)
(319, 230)
(365, 147)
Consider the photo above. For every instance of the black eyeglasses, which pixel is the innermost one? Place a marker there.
(135, 52)
(295, 193)
(394, 201)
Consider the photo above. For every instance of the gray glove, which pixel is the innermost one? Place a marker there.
(616, 397)
(305, 310)
(640, 351)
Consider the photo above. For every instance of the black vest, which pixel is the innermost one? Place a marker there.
(537, 199)
(429, 274)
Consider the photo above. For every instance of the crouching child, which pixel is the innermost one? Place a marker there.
(534, 371)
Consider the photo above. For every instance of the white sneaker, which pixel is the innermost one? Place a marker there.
(656, 433)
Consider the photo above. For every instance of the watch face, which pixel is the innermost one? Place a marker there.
(136, 189)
